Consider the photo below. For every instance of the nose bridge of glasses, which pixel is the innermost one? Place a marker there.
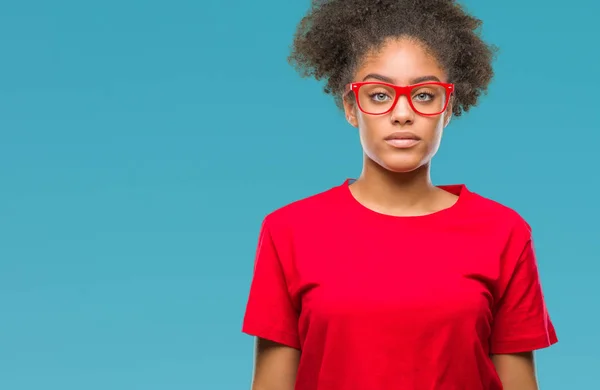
(403, 104)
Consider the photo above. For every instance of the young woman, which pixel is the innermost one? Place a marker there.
(388, 281)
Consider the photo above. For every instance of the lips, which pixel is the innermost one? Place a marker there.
(402, 139)
(402, 135)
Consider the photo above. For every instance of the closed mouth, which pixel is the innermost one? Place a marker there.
(402, 135)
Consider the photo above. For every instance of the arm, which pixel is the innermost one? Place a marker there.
(516, 370)
(271, 315)
(521, 324)
(275, 366)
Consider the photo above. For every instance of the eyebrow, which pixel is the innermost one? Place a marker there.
(389, 80)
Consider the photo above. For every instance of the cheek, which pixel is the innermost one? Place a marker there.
(437, 130)
(373, 128)
(431, 129)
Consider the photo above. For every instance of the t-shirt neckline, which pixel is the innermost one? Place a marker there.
(460, 190)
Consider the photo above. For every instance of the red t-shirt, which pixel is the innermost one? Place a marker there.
(377, 302)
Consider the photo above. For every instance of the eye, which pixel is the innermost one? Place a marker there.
(423, 96)
(380, 96)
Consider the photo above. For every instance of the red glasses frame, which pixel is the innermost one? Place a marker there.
(400, 91)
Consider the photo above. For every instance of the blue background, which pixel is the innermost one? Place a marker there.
(142, 142)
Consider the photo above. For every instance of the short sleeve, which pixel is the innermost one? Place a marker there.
(270, 313)
(521, 320)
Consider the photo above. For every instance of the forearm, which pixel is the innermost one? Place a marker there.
(516, 371)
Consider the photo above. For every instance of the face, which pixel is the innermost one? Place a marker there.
(401, 62)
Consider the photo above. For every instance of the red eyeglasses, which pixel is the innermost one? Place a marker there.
(378, 98)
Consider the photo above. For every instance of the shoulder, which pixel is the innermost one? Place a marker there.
(499, 215)
(304, 211)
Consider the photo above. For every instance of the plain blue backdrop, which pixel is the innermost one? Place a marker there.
(142, 142)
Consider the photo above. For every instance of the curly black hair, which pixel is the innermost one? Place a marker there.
(335, 35)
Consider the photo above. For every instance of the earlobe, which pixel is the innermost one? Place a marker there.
(447, 118)
(352, 120)
(448, 114)
(350, 112)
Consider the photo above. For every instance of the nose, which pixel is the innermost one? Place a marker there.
(402, 112)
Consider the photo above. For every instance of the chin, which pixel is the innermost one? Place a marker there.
(402, 165)
(402, 168)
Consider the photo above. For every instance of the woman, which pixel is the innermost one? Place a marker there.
(388, 281)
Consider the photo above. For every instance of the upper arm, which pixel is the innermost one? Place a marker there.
(270, 312)
(521, 320)
(271, 315)
(275, 366)
(516, 371)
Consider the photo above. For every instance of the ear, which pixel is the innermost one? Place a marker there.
(350, 110)
(448, 112)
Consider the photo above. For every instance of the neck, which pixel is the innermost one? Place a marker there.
(393, 192)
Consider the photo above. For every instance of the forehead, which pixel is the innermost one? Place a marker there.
(401, 60)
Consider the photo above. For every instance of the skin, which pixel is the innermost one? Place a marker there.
(275, 366)
(397, 181)
(394, 182)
